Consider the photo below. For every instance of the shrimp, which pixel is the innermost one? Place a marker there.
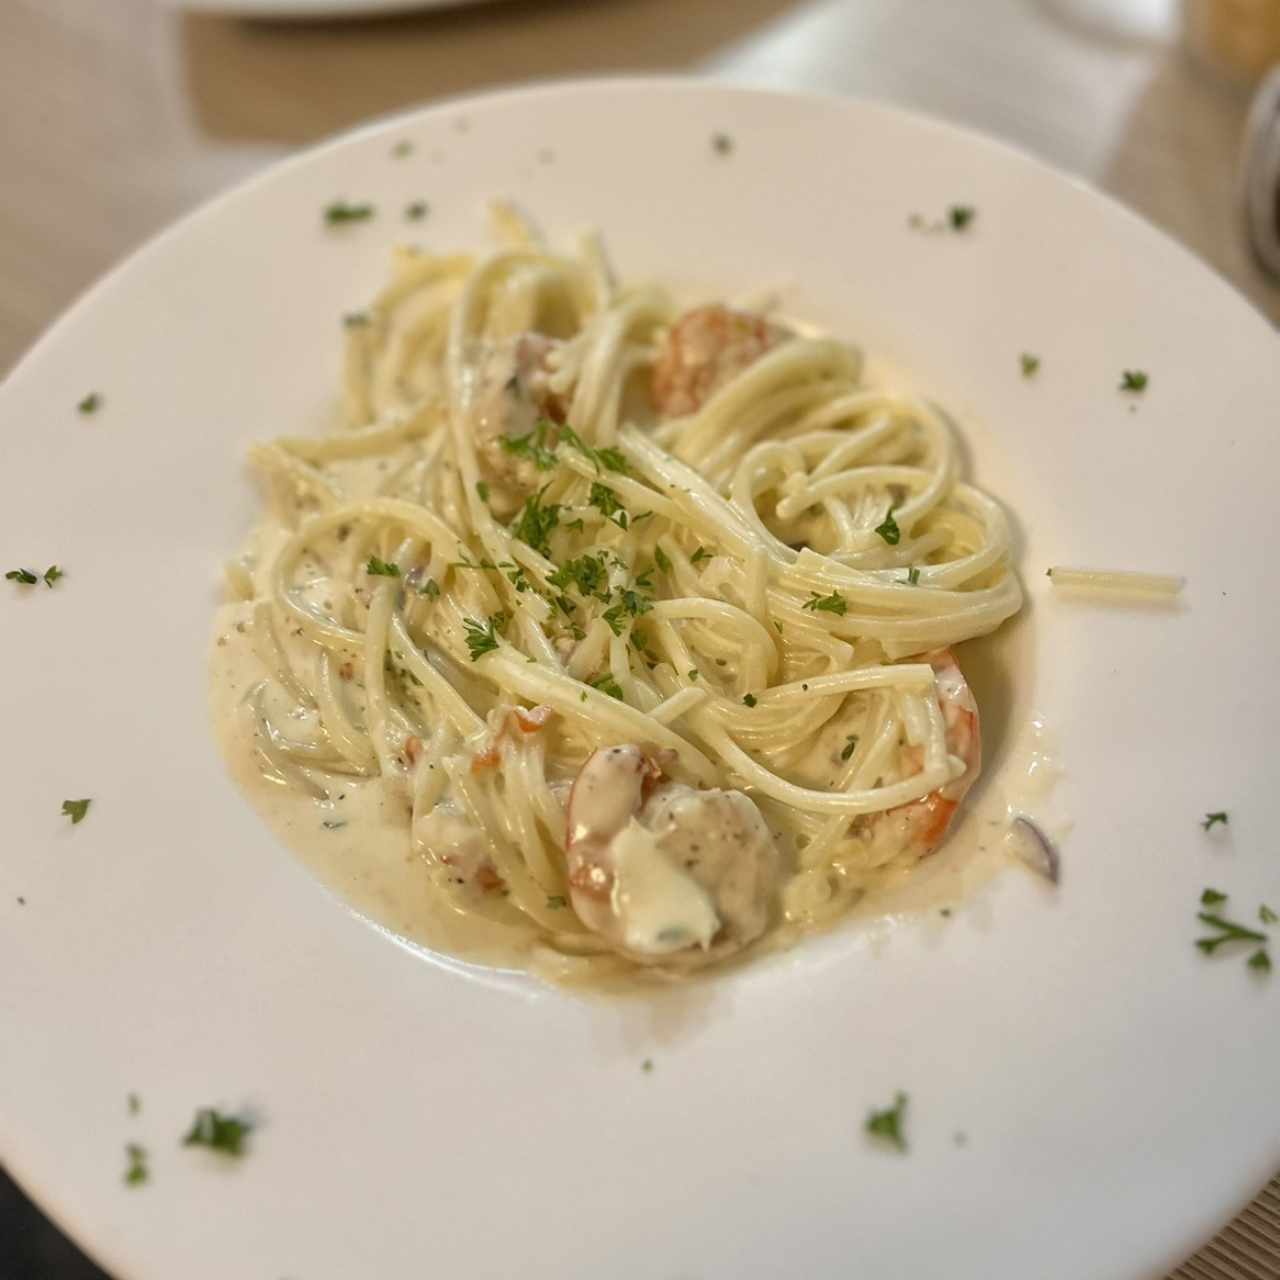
(519, 720)
(919, 828)
(658, 867)
(511, 397)
(451, 841)
(705, 348)
(444, 834)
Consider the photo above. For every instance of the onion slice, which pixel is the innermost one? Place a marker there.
(1042, 856)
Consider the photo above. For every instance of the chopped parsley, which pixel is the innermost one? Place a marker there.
(482, 638)
(694, 673)
(630, 604)
(1266, 915)
(1227, 932)
(381, 569)
(25, 577)
(913, 576)
(607, 503)
(212, 1129)
(834, 603)
(402, 148)
(136, 1172)
(639, 644)
(332, 824)
(1260, 961)
(721, 144)
(587, 573)
(556, 901)
(533, 445)
(615, 616)
(749, 700)
(430, 588)
(604, 459)
(1133, 380)
(355, 320)
(340, 211)
(75, 810)
(1211, 898)
(484, 563)
(607, 684)
(662, 560)
(91, 403)
(850, 746)
(960, 216)
(134, 1103)
(1030, 364)
(699, 555)
(482, 491)
(416, 211)
(1210, 819)
(535, 522)
(887, 1124)
(516, 575)
(889, 531)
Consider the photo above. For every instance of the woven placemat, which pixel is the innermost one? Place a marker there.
(1248, 1249)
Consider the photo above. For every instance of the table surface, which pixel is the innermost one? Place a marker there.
(124, 114)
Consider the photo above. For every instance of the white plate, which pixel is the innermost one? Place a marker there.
(1117, 1089)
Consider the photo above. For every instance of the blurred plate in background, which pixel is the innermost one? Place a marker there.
(317, 10)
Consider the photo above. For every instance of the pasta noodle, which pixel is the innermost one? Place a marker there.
(510, 559)
(1120, 582)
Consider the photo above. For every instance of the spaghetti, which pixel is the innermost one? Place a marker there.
(566, 531)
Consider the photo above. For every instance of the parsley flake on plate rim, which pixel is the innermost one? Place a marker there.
(339, 212)
(222, 1133)
(75, 810)
(29, 578)
(136, 1171)
(886, 1125)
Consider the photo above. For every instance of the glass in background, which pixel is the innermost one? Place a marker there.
(1237, 39)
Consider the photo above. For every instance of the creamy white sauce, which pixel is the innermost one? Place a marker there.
(1028, 791)
(661, 908)
(354, 833)
(355, 839)
(982, 843)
